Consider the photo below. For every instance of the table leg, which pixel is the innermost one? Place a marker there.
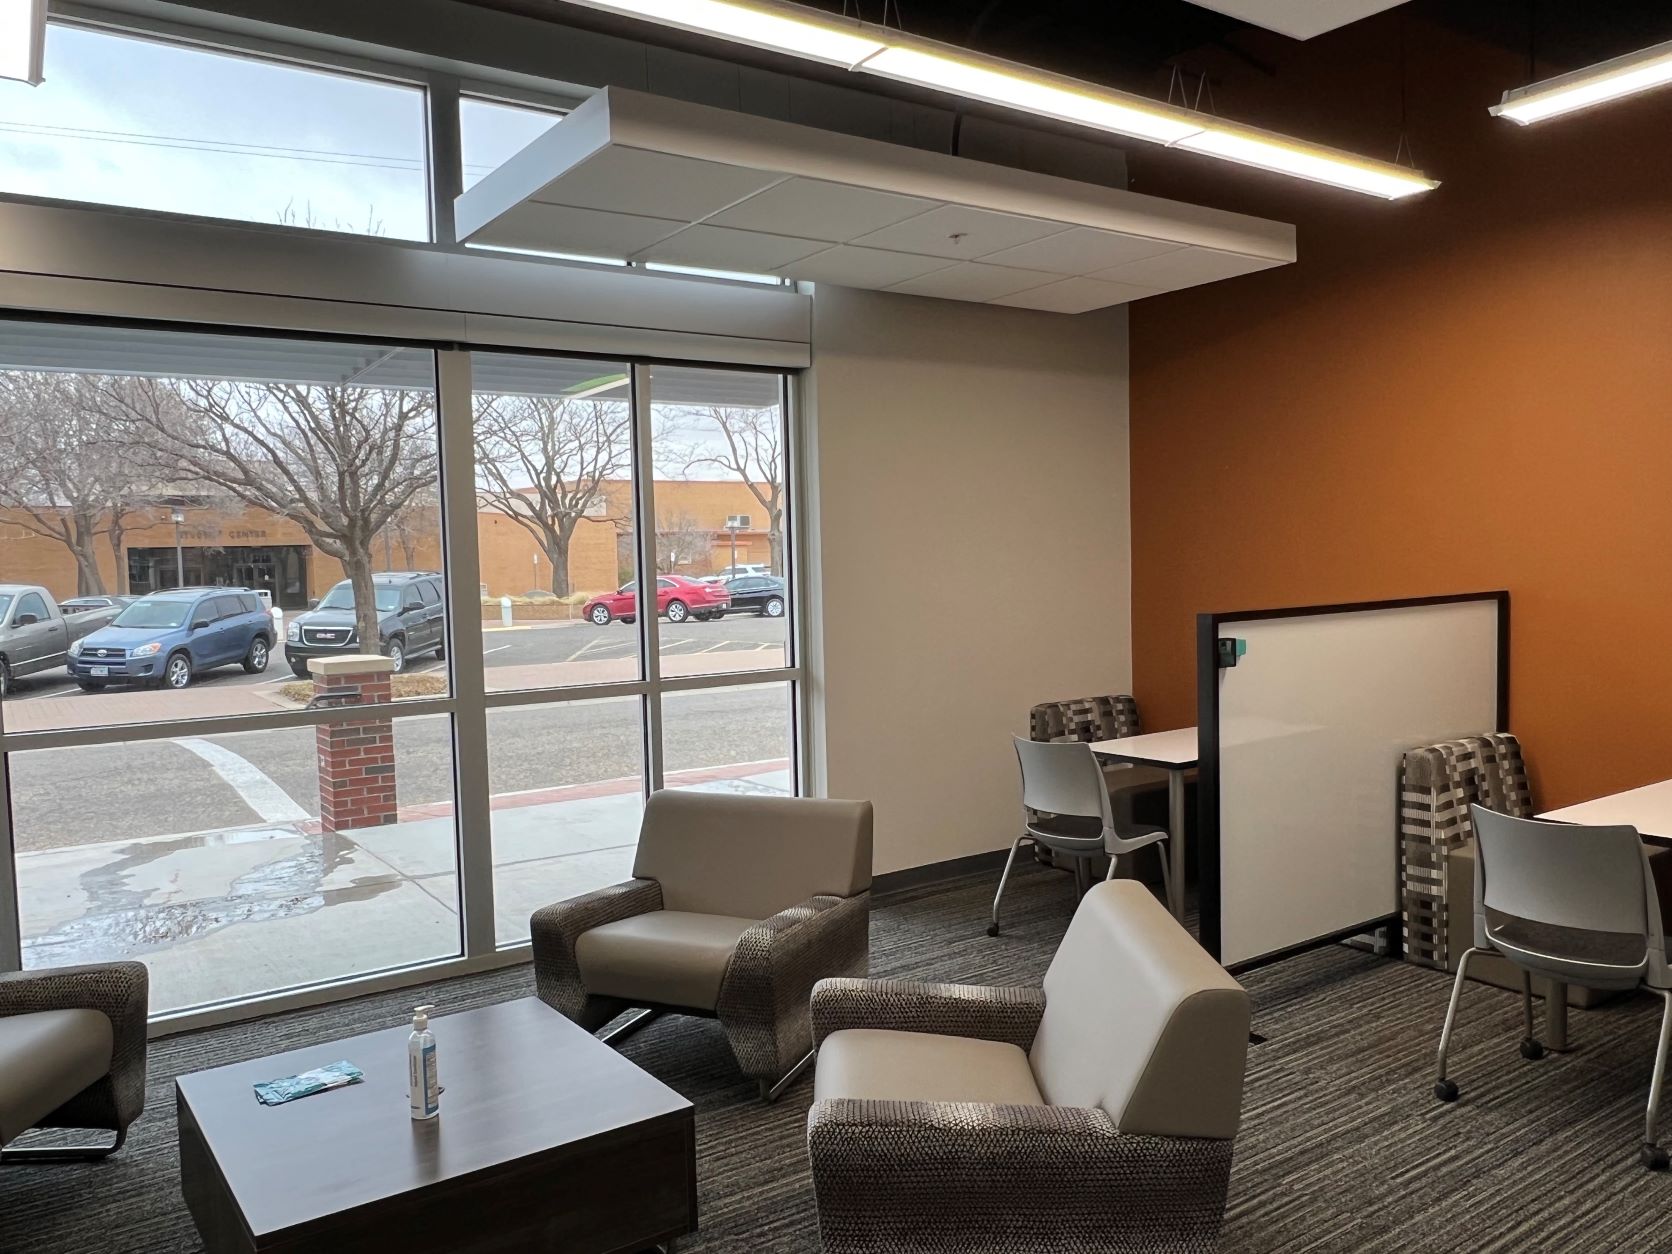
(1175, 838)
(1556, 1017)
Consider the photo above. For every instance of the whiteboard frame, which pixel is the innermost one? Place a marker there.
(1207, 842)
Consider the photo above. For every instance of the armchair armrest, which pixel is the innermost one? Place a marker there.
(1010, 1015)
(556, 928)
(763, 999)
(931, 1177)
(121, 992)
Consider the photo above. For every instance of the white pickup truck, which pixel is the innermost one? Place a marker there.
(35, 634)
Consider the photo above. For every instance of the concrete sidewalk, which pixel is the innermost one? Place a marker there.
(242, 911)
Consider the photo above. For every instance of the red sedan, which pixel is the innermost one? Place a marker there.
(677, 598)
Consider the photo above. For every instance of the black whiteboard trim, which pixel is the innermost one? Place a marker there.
(1208, 876)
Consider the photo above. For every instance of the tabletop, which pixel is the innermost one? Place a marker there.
(1648, 809)
(1170, 750)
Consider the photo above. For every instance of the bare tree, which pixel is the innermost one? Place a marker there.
(543, 461)
(414, 523)
(681, 541)
(340, 462)
(62, 475)
(750, 445)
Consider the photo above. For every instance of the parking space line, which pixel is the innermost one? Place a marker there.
(271, 803)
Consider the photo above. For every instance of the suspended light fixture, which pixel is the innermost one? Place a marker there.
(1610, 80)
(892, 54)
(22, 39)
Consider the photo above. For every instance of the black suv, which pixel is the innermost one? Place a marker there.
(411, 620)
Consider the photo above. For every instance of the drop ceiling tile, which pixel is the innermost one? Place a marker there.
(655, 184)
(973, 280)
(1074, 296)
(815, 209)
(1185, 268)
(1081, 251)
(721, 248)
(590, 231)
(848, 265)
(960, 232)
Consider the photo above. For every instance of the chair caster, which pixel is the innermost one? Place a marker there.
(992, 929)
(1531, 1050)
(1446, 1091)
(1655, 1158)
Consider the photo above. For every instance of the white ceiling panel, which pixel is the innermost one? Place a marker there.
(656, 184)
(639, 176)
(1298, 19)
(1185, 267)
(958, 232)
(848, 265)
(1080, 251)
(821, 210)
(720, 248)
(1075, 296)
(973, 280)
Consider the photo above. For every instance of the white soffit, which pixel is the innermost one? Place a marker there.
(650, 179)
(1298, 19)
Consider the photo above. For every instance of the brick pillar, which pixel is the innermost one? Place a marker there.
(356, 755)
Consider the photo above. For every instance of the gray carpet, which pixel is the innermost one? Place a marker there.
(1342, 1149)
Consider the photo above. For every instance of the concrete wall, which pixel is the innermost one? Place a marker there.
(995, 440)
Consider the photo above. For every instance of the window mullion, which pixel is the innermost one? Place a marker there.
(644, 531)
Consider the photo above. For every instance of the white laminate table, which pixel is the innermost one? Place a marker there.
(1649, 810)
(1176, 753)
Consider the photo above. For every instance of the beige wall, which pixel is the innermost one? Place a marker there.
(995, 441)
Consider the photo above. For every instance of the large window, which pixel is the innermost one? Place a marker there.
(266, 723)
(145, 124)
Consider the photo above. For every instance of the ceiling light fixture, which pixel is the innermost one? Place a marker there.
(22, 39)
(892, 54)
(1609, 80)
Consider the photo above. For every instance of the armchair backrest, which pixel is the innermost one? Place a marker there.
(752, 856)
(1141, 1021)
(1084, 718)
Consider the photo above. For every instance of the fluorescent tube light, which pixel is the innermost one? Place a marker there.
(1033, 93)
(892, 54)
(22, 39)
(832, 40)
(1609, 80)
(1307, 161)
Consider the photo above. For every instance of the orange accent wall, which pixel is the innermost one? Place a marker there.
(1468, 390)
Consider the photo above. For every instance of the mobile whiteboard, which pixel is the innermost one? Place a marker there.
(1301, 741)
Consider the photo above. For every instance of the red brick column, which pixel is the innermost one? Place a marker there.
(356, 755)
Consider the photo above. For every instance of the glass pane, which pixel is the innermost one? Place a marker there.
(217, 861)
(491, 132)
(154, 125)
(722, 520)
(568, 790)
(158, 469)
(730, 739)
(554, 481)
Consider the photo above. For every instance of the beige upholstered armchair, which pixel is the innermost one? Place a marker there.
(72, 1054)
(737, 906)
(1095, 1114)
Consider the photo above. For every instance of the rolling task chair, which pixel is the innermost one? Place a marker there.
(1066, 801)
(1575, 904)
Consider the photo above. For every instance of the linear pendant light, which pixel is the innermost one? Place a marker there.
(892, 54)
(1609, 80)
(22, 39)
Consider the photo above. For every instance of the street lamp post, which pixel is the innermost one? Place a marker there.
(179, 551)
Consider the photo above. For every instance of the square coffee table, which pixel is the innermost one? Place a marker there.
(547, 1140)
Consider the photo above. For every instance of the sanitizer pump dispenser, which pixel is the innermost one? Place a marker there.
(424, 1090)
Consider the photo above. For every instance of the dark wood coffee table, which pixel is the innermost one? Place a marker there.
(547, 1140)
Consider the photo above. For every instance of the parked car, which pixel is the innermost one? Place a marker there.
(677, 598)
(35, 633)
(411, 620)
(78, 605)
(172, 637)
(742, 568)
(762, 595)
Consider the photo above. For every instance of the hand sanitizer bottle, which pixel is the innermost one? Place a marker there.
(423, 1087)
